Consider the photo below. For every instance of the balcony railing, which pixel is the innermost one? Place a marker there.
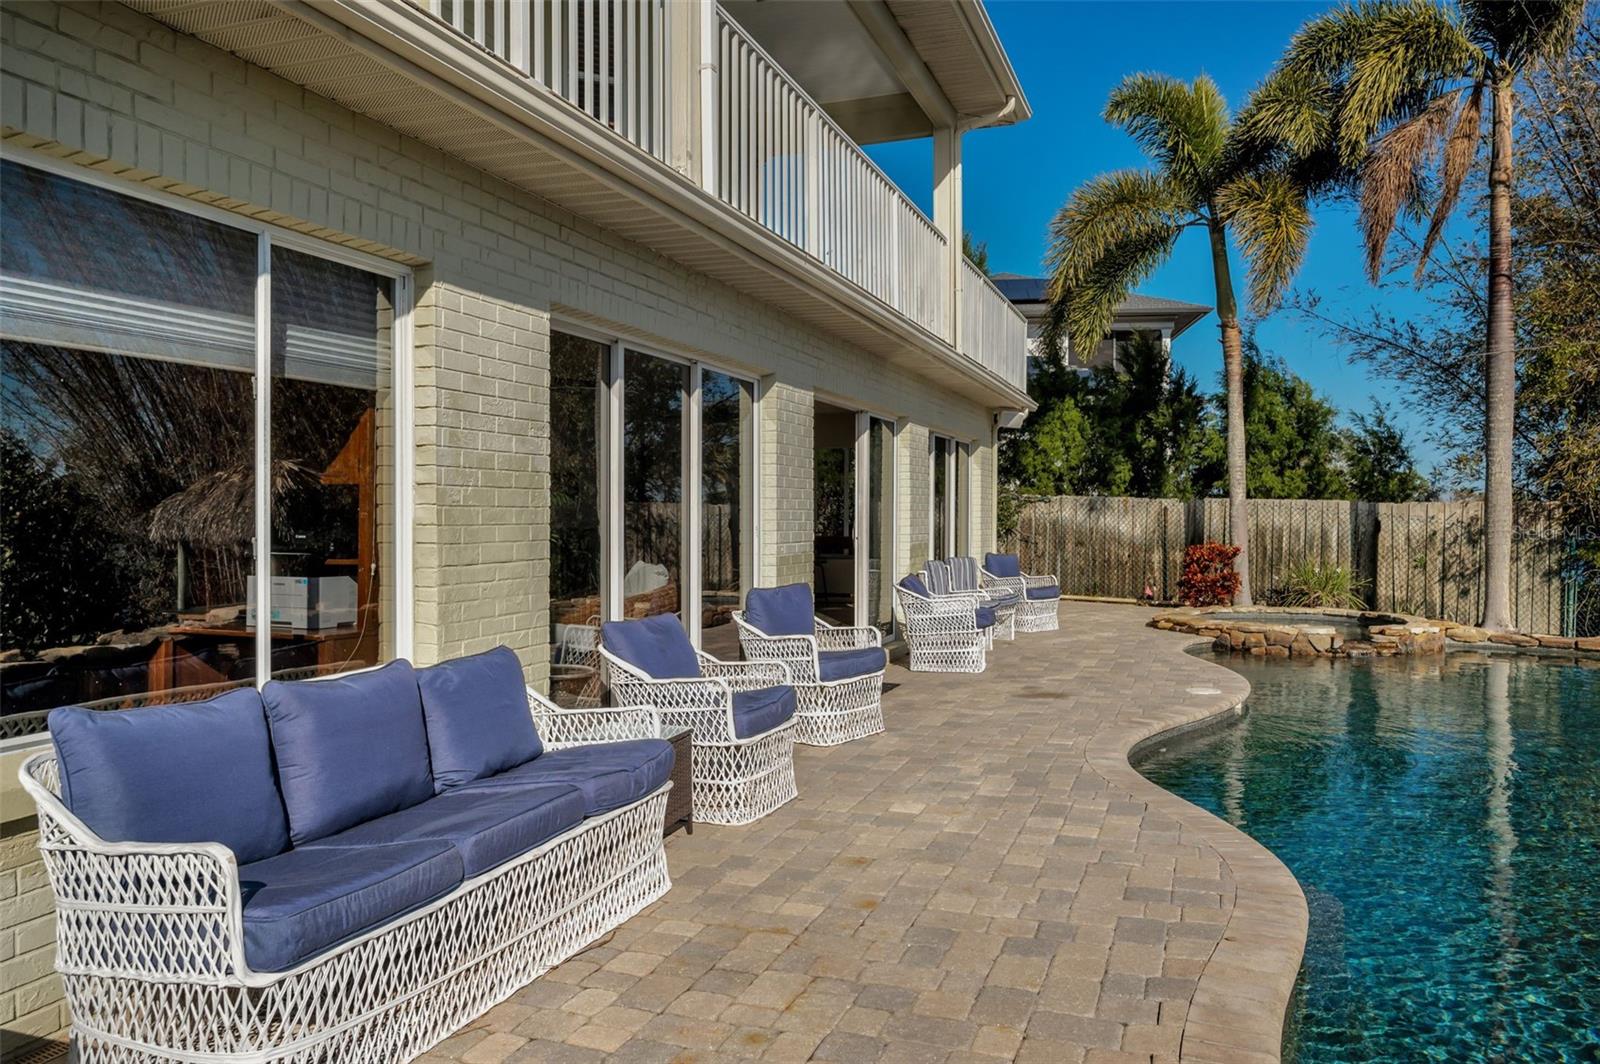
(778, 158)
(609, 58)
(992, 330)
(782, 161)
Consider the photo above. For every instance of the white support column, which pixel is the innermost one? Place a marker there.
(689, 546)
(947, 216)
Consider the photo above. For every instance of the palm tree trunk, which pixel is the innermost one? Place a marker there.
(1233, 374)
(1500, 374)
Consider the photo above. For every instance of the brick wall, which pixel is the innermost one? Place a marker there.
(31, 1005)
(787, 483)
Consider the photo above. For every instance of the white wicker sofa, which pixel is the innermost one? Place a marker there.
(946, 633)
(837, 671)
(345, 869)
(741, 714)
(1039, 596)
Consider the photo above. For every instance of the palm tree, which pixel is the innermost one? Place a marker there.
(1396, 89)
(1118, 228)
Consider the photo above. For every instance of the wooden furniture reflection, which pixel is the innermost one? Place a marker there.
(180, 661)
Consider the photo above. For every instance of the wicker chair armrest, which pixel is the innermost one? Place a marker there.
(847, 637)
(943, 608)
(559, 727)
(1008, 583)
(1040, 580)
(167, 911)
(746, 675)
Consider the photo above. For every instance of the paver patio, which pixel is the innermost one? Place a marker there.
(986, 880)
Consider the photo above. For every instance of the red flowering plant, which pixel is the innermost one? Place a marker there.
(1208, 577)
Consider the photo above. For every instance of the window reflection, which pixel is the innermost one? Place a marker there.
(880, 524)
(577, 400)
(725, 427)
(126, 449)
(652, 484)
(941, 497)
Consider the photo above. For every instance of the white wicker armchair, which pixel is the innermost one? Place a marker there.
(1039, 597)
(150, 943)
(840, 694)
(942, 631)
(737, 779)
(946, 579)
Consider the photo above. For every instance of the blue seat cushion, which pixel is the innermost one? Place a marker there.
(848, 664)
(656, 646)
(349, 748)
(608, 775)
(785, 610)
(758, 712)
(914, 584)
(199, 772)
(300, 903)
(487, 828)
(1048, 591)
(1003, 564)
(476, 711)
(985, 616)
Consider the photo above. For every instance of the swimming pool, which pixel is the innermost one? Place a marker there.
(1443, 817)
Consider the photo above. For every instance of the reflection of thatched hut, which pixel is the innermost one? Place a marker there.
(217, 510)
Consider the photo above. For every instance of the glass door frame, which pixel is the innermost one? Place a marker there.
(952, 506)
(612, 503)
(861, 535)
(402, 384)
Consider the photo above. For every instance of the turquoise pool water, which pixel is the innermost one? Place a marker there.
(1443, 817)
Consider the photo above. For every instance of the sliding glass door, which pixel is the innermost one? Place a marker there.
(579, 392)
(877, 449)
(654, 394)
(727, 474)
(197, 459)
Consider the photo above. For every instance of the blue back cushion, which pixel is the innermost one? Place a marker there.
(785, 610)
(914, 584)
(200, 772)
(476, 710)
(656, 646)
(349, 748)
(1002, 564)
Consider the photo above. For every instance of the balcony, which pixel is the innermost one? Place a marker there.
(670, 123)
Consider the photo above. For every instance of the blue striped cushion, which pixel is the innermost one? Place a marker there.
(938, 577)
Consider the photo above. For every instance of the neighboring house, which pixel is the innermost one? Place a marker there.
(1166, 318)
(427, 327)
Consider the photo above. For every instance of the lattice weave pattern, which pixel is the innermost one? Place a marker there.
(151, 949)
(736, 781)
(830, 712)
(1033, 615)
(942, 632)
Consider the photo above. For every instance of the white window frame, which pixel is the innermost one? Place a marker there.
(691, 543)
(863, 486)
(402, 384)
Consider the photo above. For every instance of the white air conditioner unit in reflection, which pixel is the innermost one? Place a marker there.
(312, 602)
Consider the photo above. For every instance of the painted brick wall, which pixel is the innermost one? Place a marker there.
(31, 1006)
(787, 483)
(914, 488)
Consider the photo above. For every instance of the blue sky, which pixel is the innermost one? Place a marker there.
(1069, 55)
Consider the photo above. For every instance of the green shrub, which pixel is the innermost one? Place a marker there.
(1330, 586)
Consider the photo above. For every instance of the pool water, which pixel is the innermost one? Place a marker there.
(1443, 817)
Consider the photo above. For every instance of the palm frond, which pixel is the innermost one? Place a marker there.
(1101, 212)
(1292, 110)
(1090, 306)
(1519, 33)
(1459, 152)
(1392, 177)
(1182, 127)
(1270, 215)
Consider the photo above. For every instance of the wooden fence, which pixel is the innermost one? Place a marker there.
(1423, 558)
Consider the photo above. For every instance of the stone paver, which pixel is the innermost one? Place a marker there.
(987, 880)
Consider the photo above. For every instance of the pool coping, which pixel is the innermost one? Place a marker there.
(1240, 1005)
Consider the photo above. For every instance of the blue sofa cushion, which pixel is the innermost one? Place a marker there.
(757, 712)
(786, 610)
(300, 903)
(487, 828)
(1002, 564)
(476, 710)
(349, 748)
(1048, 591)
(199, 772)
(608, 775)
(914, 584)
(656, 646)
(848, 664)
(985, 616)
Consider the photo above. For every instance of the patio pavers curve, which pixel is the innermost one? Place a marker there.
(987, 880)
